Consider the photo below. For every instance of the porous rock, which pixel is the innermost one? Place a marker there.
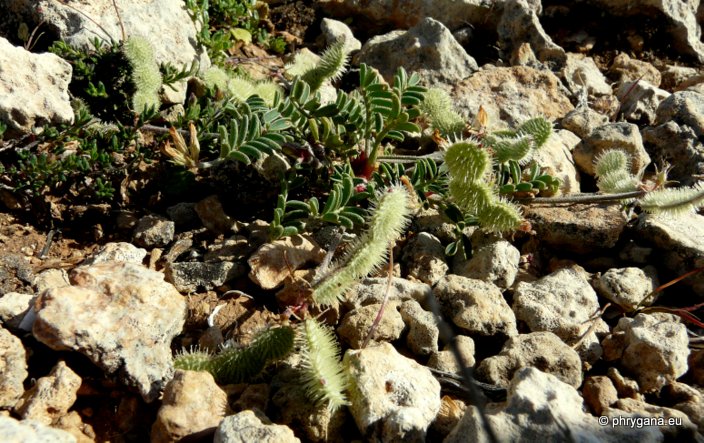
(495, 262)
(372, 290)
(446, 361)
(519, 23)
(192, 403)
(581, 72)
(334, 30)
(624, 69)
(640, 101)
(562, 303)
(475, 305)
(393, 398)
(599, 393)
(13, 307)
(555, 158)
(15, 431)
(116, 252)
(627, 287)
(620, 135)
(428, 49)
(51, 397)
(154, 231)
(247, 426)
(424, 257)
(540, 350)
(582, 120)
(122, 316)
(357, 323)
(13, 369)
(654, 348)
(192, 276)
(33, 89)
(270, 263)
(422, 337)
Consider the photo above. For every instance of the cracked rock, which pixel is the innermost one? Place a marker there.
(51, 397)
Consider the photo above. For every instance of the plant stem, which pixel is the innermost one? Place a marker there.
(380, 314)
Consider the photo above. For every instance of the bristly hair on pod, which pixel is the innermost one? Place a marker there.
(610, 161)
(387, 221)
(322, 374)
(467, 161)
(145, 73)
(539, 128)
(331, 65)
(674, 201)
(500, 216)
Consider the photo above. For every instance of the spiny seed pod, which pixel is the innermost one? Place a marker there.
(468, 162)
(539, 129)
(330, 67)
(500, 216)
(610, 161)
(388, 219)
(473, 196)
(437, 105)
(145, 73)
(323, 377)
(674, 201)
(617, 181)
(519, 148)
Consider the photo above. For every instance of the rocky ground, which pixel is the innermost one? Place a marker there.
(556, 321)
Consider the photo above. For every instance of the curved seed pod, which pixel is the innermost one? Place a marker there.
(610, 161)
(539, 129)
(145, 73)
(519, 148)
(500, 216)
(473, 196)
(466, 161)
(674, 201)
(331, 65)
(617, 181)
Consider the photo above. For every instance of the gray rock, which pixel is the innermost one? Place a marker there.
(555, 157)
(475, 305)
(422, 337)
(235, 248)
(562, 303)
(627, 287)
(681, 429)
(192, 276)
(679, 244)
(15, 274)
(15, 431)
(334, 30)
(577, 228)
(583, 120)
(625, 69)
(183, 214)
(676, 135)
(436, 224)
(393, 398)
(120, 251)
(640, 101)
(33, 89)
(540, 350)
(428, 49)
(541, 407)
(154, 232)
(192, 403)
(621, 135)
(511, 96)
(495, 262)
(13, 307)
(445, 360)
(519, 23)
(246, 427)
(653, 347)
(372, 290)
(84, 318)
(13, 361)
(424, 257)
(580, 72)
(51, 397)
(355, 326)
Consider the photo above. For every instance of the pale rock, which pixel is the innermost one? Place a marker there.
(430, 220)
(334, 30)
(393, 398)
(51, 397)
(580, 72)
(652, 347)
(582, 121)
(13, 369)
(116, 252)
(270, 263)
(640, 101)
(25, 431)
(673, 76)
(541, 350)
(14, 307)
(555, 158)
(452, 13)
(445, 360)
(627, 287)
(51, 278)
(578, 228)
(247, 427)
(510, 96)
(232, 249)
(620, 135)
(423, 333)
(495, 262)
(253, 396)
(541, 407)
(475, 306)
(626, 387)
(154, 231)
(122, 316)
(356, 324)
(192, 403)
(519, 23)
(682, 430)
(371, 291)
(424, 257)
(74, 425)
(33, 89)
(676, 135)
(624, 69)
(679, 244)
(599, 393)
(428, 49)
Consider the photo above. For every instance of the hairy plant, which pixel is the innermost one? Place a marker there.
(331, 66)
(145, 74)
(441, 113)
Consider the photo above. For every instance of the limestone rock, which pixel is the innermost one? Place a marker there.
(422, 337)
(392, 397)
(247, 427)
(445, 360)
(555, 157)
(122, 316)
(192, 404)
(334, 30)
(475, 305)
(356, 325)
(624, 69)
(540, 350)
(627, 287)
(562, 303)
(424, 257)
(51, 397)
(621, 135)
(428, 49)
(153, 231)
(15, 431)
(583, 120)
(495, 262)
(519, 23)
(269, 268)
(599, 393)
(640, 101)
(119, 251)
(213, 216)
(581, 72)
(192, 276)
(13, 369)
(33, 89)
(372, 290)
(14, 307)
